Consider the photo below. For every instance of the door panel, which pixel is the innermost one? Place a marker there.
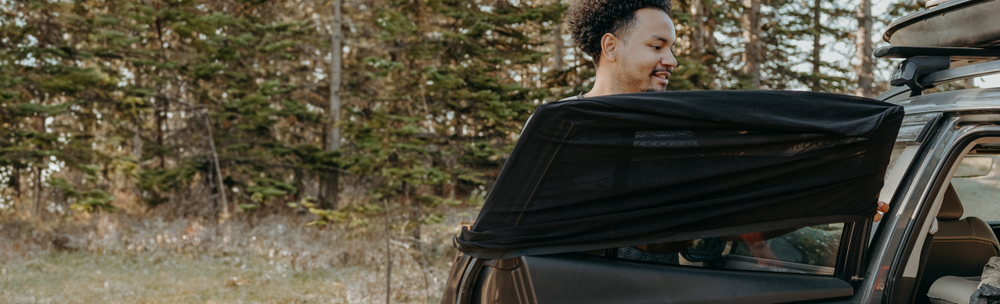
(577, 278)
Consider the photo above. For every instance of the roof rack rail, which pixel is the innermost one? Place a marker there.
(951, 52)
(922, 62)
(944, 76)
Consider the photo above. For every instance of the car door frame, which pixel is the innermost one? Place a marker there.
(918, 195)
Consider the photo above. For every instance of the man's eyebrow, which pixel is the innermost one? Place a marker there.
(665, 40)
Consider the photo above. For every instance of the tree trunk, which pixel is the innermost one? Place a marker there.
(15, 178)
(817, 47)
(38, 192)
(697, 30)
(137, 153)
(750, 20)
(388, 255)
(709, 26)
(332, 180)
(560, 44)
(137, 142)
(415, 216)
(40, 128)
(224, 204)
(161, 115)
(864, 50)
(710, 48)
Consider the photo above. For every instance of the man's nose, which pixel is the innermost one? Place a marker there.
(669, 61)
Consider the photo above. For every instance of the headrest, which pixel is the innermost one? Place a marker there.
(951, 208)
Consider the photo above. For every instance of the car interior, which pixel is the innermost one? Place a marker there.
(964, 242)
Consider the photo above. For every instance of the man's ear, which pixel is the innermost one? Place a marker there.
(608, 45)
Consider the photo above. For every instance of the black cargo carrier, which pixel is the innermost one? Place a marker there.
(959, 23)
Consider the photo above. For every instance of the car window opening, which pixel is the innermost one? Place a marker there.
(806, 250)
(965, 239)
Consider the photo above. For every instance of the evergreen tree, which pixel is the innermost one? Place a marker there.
(49, 99)
(208, 108)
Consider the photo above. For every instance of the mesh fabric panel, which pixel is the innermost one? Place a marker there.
(644, 168)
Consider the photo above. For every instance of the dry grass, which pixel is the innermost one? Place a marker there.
(149, 278)
(118, 259)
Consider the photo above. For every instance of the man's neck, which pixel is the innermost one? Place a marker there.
(603, 84)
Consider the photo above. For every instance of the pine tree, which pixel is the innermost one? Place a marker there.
(332, 178)
(750, 20)
(50, 95)
(696, 54)
(863, 43)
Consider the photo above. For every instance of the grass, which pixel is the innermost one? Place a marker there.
(81, 277)
(274, 260)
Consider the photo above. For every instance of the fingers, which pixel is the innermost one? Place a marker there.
(882, 208)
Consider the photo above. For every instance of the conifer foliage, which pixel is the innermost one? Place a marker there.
(226, 108)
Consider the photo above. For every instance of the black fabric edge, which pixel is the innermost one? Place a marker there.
(869, 128)
(529, 128)
(484, 253)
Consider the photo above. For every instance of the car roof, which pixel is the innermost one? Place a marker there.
(987, 99)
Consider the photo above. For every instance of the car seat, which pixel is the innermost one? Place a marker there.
(960, 248)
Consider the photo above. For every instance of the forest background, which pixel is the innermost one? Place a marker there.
(339, 132)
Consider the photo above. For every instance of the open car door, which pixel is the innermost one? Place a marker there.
(681, 197)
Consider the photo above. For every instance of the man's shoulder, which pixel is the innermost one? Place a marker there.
(578, 96)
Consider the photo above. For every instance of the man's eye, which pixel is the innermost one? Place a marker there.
(657, 47)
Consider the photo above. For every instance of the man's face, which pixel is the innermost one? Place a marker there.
(646, 57)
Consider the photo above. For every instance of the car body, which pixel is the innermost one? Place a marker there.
(894, 260)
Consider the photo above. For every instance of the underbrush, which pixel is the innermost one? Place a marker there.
(115, 258)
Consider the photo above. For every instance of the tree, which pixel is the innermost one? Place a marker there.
(863, 40)
(817, 48)
(750, 20)
(48, 98)
(213, 107)
(332, 178)
(696, 52)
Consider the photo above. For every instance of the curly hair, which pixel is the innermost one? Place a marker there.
(589, 20)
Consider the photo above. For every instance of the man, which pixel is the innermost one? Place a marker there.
(632, 45)
(631, 42)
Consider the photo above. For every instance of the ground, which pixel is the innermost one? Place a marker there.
(272, 260)
(147, 278)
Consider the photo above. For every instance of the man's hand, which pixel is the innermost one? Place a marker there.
(883, 207)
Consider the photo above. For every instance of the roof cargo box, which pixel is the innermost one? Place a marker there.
(956, 23)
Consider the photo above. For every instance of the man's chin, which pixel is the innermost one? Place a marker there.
(656, 88)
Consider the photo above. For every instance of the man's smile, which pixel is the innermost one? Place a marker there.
(661, 75)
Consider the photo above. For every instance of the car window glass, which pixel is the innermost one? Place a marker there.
(814, 245)
(978, 192)
(903, 153)
(809, 250)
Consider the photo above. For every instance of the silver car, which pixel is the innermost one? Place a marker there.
(811, 241)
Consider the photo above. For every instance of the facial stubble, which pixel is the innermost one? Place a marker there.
(633, 84)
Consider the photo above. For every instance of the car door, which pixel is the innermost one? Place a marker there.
(678, 197)
(732, 277)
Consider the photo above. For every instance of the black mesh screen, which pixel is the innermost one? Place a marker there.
(644, 168)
